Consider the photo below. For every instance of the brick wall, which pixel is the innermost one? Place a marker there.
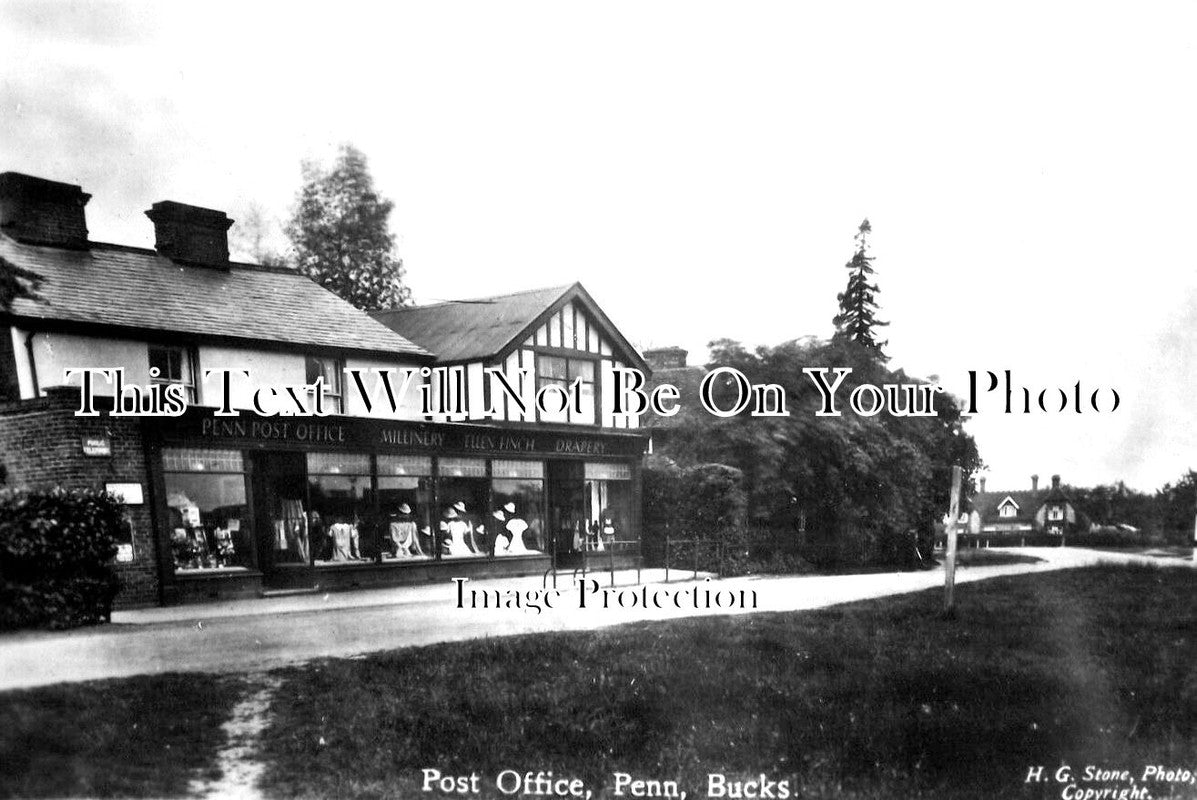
(41, 445)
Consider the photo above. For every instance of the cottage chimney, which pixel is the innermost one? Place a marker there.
(665, 357)
(190, 234)
(1055, 481)
(38, 211)
(1034, 483)
(982, 485)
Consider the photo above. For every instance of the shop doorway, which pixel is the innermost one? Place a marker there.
(567, 510)
(281, 520)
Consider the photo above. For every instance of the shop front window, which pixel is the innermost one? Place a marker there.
(462, 523)
(405, 507)
(517, 517)
(341, 525)
(206, 507)
(608, 505)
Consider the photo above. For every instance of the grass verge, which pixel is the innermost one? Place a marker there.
(881, 699)
(987, 557)
(144, 737)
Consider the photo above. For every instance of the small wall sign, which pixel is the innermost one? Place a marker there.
(129, 493)
(124, 553)
(97, 446)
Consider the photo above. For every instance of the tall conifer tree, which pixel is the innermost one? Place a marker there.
(857, 319)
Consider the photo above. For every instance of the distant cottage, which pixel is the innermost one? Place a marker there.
(1023, 514)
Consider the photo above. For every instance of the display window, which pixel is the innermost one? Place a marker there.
(340, 521)
(608, 504)
(206, 507)
(517, 515)
(405, 507)
(463, 491)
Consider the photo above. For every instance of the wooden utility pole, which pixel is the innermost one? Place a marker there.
(949, 577)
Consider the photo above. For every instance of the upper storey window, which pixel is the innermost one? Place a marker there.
(331, 370)
(565, 372)
(174, 365)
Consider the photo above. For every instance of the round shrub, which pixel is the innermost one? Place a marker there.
(56, 552)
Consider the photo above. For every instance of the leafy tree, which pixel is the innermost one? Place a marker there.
(860, 484)
(16, 282)
(858, 302)
(341, 236)
(250, 236)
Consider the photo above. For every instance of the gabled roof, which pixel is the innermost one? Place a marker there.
(1009, 500)
(488, 328)
(115, 287)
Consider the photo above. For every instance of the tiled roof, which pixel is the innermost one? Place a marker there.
(465, 330)
(112, 285)
(987, 504)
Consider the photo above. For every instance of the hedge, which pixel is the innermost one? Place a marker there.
(702, 504)
(56, 552)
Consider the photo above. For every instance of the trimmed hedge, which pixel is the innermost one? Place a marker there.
(701, 508)
(56, 552)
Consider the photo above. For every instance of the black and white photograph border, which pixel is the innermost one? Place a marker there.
(559, 400)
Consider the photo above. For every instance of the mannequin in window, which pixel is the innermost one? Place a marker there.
(514, 530)
(454, 532)
(404, 541)
(474, 530)
(345, 541)
(608, 529)
(501, 540)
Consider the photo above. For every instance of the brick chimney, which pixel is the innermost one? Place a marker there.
(665, 357)
(982, 485)
(1034, 483)
(1055, 481)
(190, 234)
(38, 211)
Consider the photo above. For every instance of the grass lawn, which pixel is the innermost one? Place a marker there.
(881, 699)
(144, 737)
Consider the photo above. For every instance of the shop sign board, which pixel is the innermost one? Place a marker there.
(398, 436)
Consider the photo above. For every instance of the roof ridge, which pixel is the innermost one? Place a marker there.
(562, 288)
(149, 251)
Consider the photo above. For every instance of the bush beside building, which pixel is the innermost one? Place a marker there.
(56, 551)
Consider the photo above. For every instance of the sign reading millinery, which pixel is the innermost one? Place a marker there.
(97, 446)
(129, 493)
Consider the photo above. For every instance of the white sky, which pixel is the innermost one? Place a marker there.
(1029, 170)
